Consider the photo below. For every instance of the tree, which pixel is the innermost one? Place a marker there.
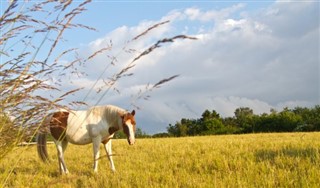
(210, 115)
(310, 118)
(182, 129)
(288, 121)
(315, 117)
(172, 130)
(212, 126)
(161, 135)
(141, 134)
(244, 119)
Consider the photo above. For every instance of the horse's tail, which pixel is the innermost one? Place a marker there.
(42, 139)
(42, 146)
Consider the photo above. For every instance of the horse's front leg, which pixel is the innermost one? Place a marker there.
(107, 147)
(96, 152)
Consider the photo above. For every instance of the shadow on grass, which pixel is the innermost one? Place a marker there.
(289, 152)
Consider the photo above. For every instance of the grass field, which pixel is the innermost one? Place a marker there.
(254, 160)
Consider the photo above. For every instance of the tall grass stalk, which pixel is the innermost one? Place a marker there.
(31, 33)
(25, 73)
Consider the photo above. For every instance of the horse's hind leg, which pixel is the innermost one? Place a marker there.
(107, 147)
(61, 147)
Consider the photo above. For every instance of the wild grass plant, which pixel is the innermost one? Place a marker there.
(30, 35)
(252, 160)
(33, 63)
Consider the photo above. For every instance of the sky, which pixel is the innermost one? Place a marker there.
(258, 54)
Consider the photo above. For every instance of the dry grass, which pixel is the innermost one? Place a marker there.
(31, 33)
(23, 74)
(254, 160)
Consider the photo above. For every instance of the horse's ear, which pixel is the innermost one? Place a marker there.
(133, 112)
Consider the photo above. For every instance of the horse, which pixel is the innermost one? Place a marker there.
(95, 125)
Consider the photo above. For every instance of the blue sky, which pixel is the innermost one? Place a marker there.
(253, 54)
(107, 15)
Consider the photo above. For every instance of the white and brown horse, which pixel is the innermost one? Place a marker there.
(96, 125)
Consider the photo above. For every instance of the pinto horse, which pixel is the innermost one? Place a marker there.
(96, 125)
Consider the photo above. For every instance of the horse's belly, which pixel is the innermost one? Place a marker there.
(77, 132)
(79, 137)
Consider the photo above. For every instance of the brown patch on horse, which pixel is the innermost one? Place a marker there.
(105, 141)
(58, 125)
(113, 130)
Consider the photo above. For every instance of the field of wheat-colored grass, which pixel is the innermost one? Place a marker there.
(253, 160)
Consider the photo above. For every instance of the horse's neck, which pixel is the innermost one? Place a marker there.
(110, 114)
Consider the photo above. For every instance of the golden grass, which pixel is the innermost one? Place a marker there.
(255, 160)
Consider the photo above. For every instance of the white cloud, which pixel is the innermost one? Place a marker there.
(234, 23)
(212, 15)
(192, 13)
(262, 62)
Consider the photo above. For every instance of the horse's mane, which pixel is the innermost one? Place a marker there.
(109, 112)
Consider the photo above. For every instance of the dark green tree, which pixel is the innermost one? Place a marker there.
(141, 134)
(244, 119)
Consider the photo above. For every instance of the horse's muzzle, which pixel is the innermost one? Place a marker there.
(131, 141)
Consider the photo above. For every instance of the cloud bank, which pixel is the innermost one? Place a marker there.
(262, 60)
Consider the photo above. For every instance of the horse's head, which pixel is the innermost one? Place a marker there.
(129, 126)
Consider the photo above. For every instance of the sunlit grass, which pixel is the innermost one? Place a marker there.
(256, 160)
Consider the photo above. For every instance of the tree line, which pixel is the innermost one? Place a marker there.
(245, 121)
(299, 119)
